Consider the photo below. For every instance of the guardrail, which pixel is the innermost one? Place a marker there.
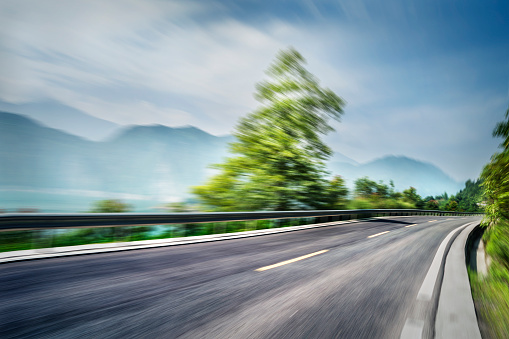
(37, 221)
(41, 230)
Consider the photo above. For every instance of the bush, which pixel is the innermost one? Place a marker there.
(110, 206)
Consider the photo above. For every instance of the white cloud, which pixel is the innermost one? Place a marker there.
(57, 49)
(70, 51)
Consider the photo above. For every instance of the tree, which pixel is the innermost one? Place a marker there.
(495, 176)
(452, 205)
(178, 207)
(278, 161)
(411, 195)
(431, 205)
(469, 198)
(336, 193)
(110, 206)
(392, 191)
(365, 188)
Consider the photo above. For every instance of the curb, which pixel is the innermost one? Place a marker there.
(456, 317)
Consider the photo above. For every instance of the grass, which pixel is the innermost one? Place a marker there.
(23, 240)
(491, 292)
(491, 298)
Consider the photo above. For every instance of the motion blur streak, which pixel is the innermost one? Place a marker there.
(360, 289)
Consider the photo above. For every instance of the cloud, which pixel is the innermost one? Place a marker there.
(193, 62)
(70, 53)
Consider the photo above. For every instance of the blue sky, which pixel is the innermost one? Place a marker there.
(425, 79)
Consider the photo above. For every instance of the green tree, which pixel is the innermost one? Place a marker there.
(411, 195)
(392, 191)
(431, 205)
(495, 176)
(110, 206)
(336, 193)
(491, 292)
(364, 187)
(178, 207)
(469, 198)
(278, 161)
(452, 205)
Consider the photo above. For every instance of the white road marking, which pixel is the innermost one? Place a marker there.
(290, 261)
(412, 329)
(376, 235)
(411, 225)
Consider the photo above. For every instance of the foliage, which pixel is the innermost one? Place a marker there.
(470, 198)
(278, 161)
(110, 206)
(410, 194)
(336, 194)
(365, 188)
(178, 207)
(491, 297)
(377, 203)
(495, 176)
(452, 205)
(431, 204)
(498, 249)
(22, 240)
(373, 195)
(491, 294)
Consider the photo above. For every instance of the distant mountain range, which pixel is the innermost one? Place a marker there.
(55, 171)
(427, 178)
(56, 115)
(152, 163)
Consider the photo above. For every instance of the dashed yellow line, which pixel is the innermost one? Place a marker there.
(290, 261)
(411, 225)
(376, 235)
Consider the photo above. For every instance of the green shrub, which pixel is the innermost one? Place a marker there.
(491, 297)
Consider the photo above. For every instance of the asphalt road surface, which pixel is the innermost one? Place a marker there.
(329, 282)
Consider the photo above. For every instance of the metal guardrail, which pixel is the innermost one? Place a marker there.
(36, 221)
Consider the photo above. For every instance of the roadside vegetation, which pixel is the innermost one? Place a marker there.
(491, 292)
(368, 194)
(110, 206)
(277, 163)
(278, 158)
(33, 239)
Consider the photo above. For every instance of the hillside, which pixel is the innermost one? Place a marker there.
(49, 169)
(152, 163)
(405, 172)
(54, 114)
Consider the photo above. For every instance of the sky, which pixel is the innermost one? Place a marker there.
(426, 79)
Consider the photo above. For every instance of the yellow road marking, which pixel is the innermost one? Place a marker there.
(290, 261)
(411, 225)
(431, 220)
(375, 235)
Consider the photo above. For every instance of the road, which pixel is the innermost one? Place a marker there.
(352, 286)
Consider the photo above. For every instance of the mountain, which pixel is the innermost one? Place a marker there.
(339, 159)
(56, 115)
(405, 172)
(150, 164)
(46, 168)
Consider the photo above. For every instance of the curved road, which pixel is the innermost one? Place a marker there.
(347, 284)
